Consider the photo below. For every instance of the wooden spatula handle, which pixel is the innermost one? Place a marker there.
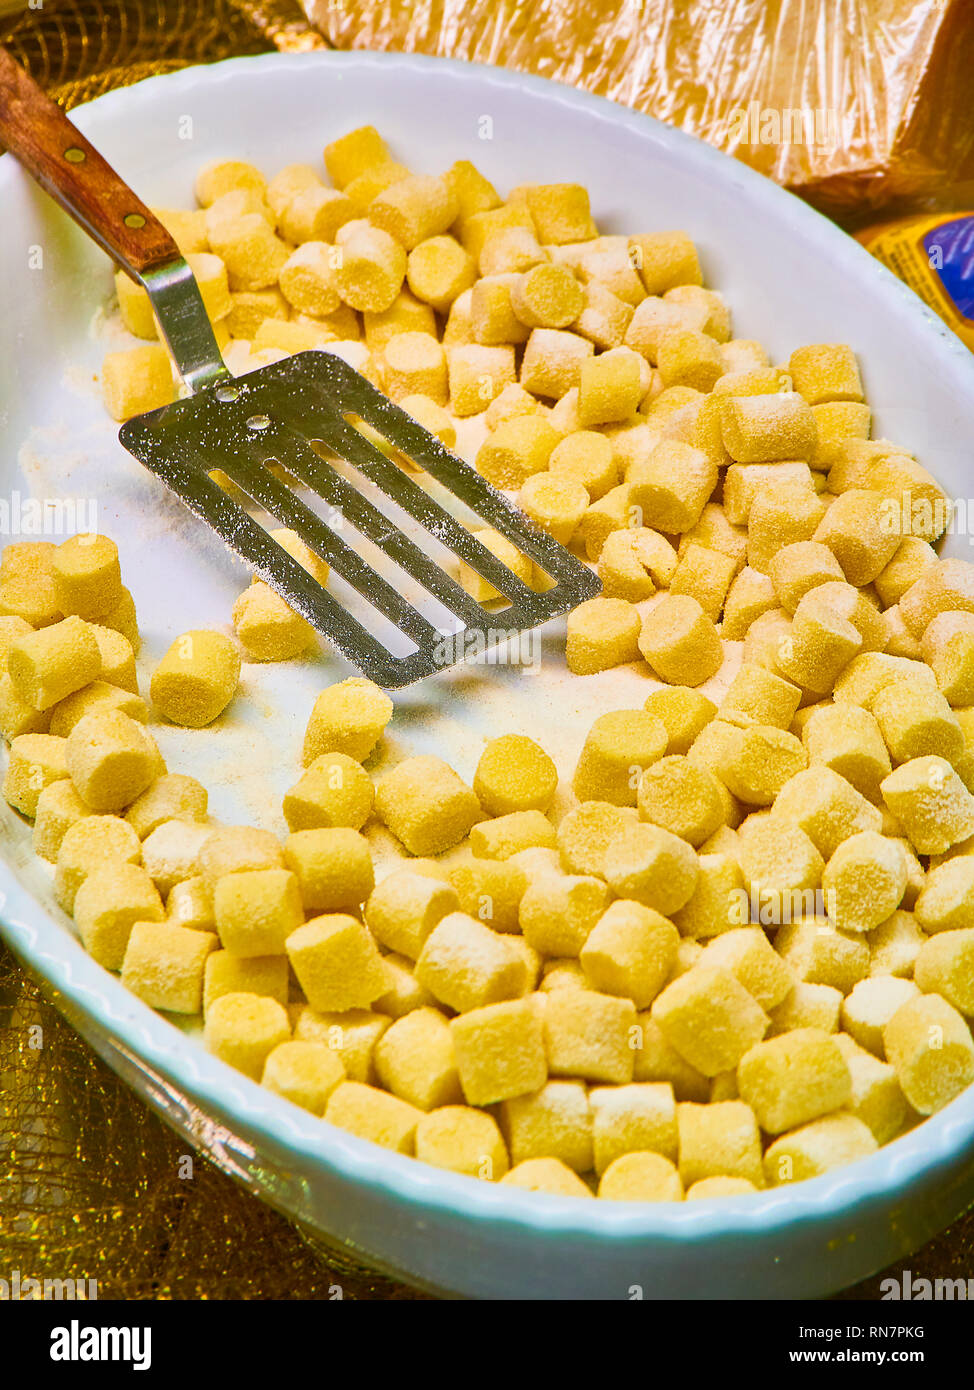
(66, 165)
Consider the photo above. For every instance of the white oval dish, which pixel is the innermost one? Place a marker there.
(790, 277)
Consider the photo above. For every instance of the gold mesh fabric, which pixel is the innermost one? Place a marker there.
(79, 49)
(92, 1184)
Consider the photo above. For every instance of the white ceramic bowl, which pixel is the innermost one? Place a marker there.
(790, 277)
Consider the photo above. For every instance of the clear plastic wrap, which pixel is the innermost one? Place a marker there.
(858, 105)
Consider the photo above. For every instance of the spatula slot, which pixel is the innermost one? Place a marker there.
(369, 540)
(289, 438)
(450, 502)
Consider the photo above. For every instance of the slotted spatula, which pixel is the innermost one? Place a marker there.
(276, 415)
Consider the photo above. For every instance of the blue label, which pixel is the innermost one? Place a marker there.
(950, 249)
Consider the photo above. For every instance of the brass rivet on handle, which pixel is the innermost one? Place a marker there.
(134, 220)
(74, 155)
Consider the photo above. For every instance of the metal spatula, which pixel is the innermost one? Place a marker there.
(301, 414)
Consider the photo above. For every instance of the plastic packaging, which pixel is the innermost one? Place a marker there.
(858, 105)
(935, 256)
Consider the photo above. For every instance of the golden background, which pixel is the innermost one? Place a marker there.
(90, 1180)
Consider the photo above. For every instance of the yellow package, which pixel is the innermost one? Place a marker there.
(934, 255)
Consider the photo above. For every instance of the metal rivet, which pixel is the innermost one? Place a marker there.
(227, 393)
(74, 155)
(259, 422)
(134, 220)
